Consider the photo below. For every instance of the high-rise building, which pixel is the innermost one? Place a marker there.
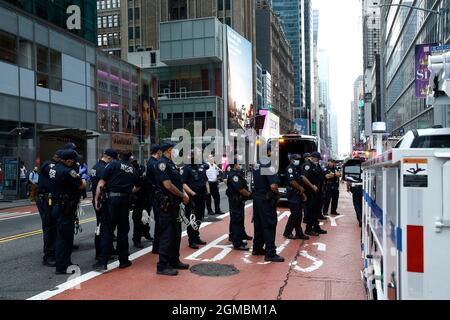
(403, 28)
(308, 25)
(357, 142)
(47, 83)
(292, 15)
(274, 53)
(108, 26)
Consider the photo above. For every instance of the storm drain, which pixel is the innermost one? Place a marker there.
(214, 270)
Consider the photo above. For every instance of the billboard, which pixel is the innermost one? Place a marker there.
(240, 80)
(423, 51)
(271, 128)
(301, 125)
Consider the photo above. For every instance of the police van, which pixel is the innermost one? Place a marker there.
(406, 218)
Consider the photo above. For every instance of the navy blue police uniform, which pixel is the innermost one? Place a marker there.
(65, 184)
(295, 202)
(96, 173)
(331, 191)
(168, 210)
(314, 174)
(236, 182)
(44, 203)
(140, 202)
(120, 178)
(265, 216)
(194, 175)
(151, 185)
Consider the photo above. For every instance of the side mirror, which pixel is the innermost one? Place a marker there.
(352, 172)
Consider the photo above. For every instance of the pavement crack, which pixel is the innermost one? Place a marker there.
(237, 293)
(288, 274)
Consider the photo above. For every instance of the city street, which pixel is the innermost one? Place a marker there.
(23, 274)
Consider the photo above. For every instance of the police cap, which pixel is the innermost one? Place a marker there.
(155, 148)
(70, 146)
(306, 155)
(167, 146)
(331, 160)
(316, 155)
(69, 154)
(111, 153)
(294, 157)
(59, 153)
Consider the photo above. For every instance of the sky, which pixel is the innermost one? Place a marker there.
(340, 34)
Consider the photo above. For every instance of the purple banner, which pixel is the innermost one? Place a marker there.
(423, 51)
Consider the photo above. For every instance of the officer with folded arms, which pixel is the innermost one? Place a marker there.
(168, 198)
(120, 180)
(238, 194)
(296, 198)
(45, 204)
(265, 218)
(195, 182)
(66, 186)
(151, 185)
(331, 188)
(97, 171)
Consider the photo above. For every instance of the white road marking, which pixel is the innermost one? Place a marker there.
(226, 249)
(333, 220)
(317, 263)
(320, 246)
(92, 274)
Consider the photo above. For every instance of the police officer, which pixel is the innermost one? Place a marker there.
(66, 186)
(331, 188)
(168, 197)
(237, 193)
(96, 173)
(44, 204)
(195, 182)
(140, 202)
(296, 198)
(312, 176)
(120, 180)
(151, 185)
(265, 218)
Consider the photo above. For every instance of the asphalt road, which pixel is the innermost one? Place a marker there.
(23, 274)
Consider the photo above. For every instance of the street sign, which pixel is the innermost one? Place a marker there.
(440, 48)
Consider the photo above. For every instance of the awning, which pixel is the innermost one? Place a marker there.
(90, 134)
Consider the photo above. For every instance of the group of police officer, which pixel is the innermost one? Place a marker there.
(117, 179)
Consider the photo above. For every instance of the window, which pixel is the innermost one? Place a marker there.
(110, 21)
(130, 14)
(136, 13)
(99, 22)
(130, 33)
(26, 54)
(103, 4)
(99, 40)
(8, 47)
(98, 5)
(178, 9)
(438, 141)
(108, 4)
(114, 3)
(138, 32)
(152, 58)
(105, 39)
(110, 39)
(42, 66)
(105, 18)
(116, 21)
(116, 38)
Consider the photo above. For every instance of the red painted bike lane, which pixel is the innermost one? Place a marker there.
(322, 268)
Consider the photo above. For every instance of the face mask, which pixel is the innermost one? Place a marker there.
(174, 153)
(296, 163)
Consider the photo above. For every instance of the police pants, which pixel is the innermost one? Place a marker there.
(170, 238)
(117, 215)
(199, 211)
(64, 238)
(214, 194)
(139, 229)
(48, 227)
(312, 211)
(153, 207)
(265, 221)
(237, 220)
(295, 219)
(357, 202)
(331, 195)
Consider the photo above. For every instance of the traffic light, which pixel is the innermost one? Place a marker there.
(439, 65)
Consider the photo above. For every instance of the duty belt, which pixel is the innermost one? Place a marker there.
(118, 194)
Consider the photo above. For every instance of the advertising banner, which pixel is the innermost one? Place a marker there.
(301, 125)
(271, 127)
(240, 80)
(423, 51)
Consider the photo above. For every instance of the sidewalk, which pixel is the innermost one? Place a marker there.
(322, 268)
(23, 203)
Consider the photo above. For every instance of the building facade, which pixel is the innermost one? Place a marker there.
(109, 26)
(357, 142)
(292, 16)
(47, 82)
(275, 55)
(402, 29)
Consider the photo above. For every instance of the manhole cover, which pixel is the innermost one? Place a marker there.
(214, 270)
